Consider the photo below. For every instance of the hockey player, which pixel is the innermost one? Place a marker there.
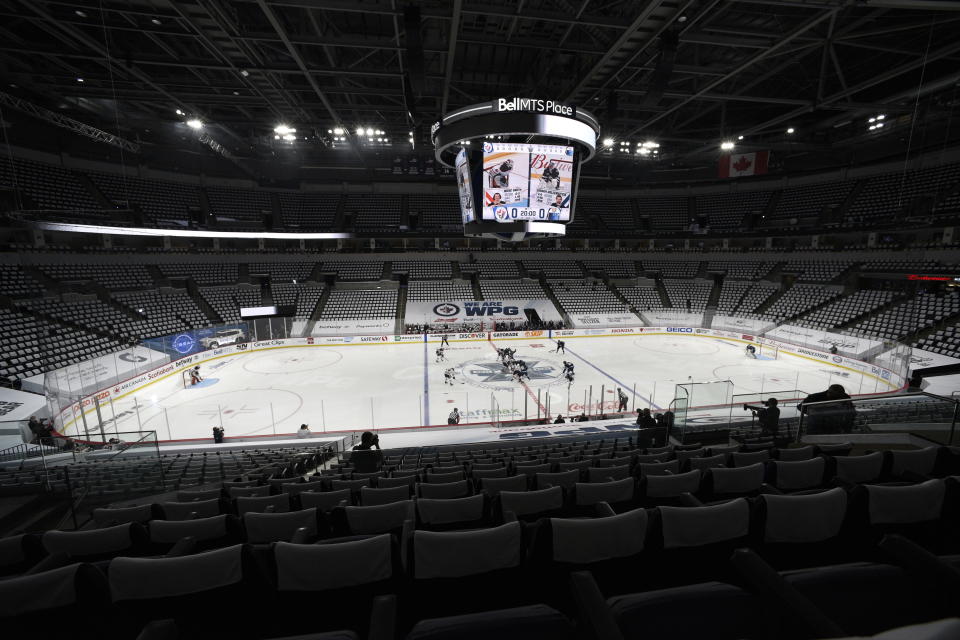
(448, 376)
(195, 376)
(621, 400)
(454, 417)
(443, 341)
(551, 175)
(568, 367)
(440, 356)
(751, 351)
(500, 175)
(561, 346)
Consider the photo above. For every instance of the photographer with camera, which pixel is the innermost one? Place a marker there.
(767, 415)
(364, 458)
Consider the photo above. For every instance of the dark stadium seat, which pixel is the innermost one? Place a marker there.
(491, 560)
(97, 544)
(453, 513)
(53, 604)
(448, 490)
(386, 518)
(795, 531)
(208, 533)
(275, 527)
(190, 589)
(19, 553)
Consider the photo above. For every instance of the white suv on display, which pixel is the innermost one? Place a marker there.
(220, 338)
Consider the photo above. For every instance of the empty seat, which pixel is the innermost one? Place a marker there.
(190, 510)
(493, 486)
(325, 501)
(48, 605)
(797, 475)
(796, 531)
(97, 544)
(859, 469)
(385, 518)
(215, 531)
(619, 494)
(274, 527)
(667, 489)
(528, 505)
(455, 513)
(263, 504)
(721, 483)
(370, 496)
(447, 490)
(106, 517)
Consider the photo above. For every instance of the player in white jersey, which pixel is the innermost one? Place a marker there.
(440, 355)
(751, 351)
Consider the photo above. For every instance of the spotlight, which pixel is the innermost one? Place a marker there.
(179, 112)
(791, 130)
(79, 79)
(369, 132)
(193, 123)
(80, 13)
(881, 116)
(739, 137)
(359, 131)
(338, 131)
(244, 73)
(156, 22)
(608, 142)
(284, 129)
(727, 145)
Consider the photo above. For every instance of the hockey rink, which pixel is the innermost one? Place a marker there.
(385, 385)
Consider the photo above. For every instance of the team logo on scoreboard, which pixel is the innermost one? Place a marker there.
(446, 310)
(501, 214)
(488, 147)
(491, 374)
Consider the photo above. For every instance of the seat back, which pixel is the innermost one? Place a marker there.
(450, 512)
(565, 479)
(734, 482)
(525, 504)
(106, 517)
(616, 492)
(493, 486)
(385, 518)
(191, 510)
(670, 486)
(278, 504)
(447, 490)
(799, 474)
(97, 544)
(372, 497)
(324, 500)
(275, 527)
(859, 469)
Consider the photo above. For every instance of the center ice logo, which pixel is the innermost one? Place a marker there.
(491, 374)
(446, 309)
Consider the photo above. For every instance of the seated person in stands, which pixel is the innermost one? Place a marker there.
(559, 420)
(364, 458)
(645, 420)
(303, 431)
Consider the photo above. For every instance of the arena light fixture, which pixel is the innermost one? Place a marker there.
(289, 137)
(727, 145)
(650, 144)
(284, 129)
(194, 123)
(338, 131)
(608, 142)
(881, 116)
(739, 137)
(179, 112)
(791, 130)
(156, 21)
(369, 131)
(184, 233)
(79, 79)
(80, 13)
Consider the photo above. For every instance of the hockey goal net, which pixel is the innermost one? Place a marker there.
(767, 351)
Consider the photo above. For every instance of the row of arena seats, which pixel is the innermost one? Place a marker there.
(880, 198)
(117, 574)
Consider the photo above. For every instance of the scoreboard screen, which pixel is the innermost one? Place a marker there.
(526, 182)
(462, 168)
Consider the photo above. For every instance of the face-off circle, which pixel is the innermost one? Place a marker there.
(490, 374)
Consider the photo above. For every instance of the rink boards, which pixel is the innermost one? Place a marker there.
(166, 379)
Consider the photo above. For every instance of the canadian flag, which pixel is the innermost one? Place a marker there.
(735, 165)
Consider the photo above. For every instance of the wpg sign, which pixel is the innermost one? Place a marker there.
(469, 311)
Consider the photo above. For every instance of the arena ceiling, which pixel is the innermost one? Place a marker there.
(686, 73)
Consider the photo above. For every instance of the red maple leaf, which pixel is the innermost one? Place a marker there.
(742, 164)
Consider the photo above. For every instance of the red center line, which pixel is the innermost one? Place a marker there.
(529, 392)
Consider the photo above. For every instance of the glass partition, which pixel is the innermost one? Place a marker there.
(928, 416)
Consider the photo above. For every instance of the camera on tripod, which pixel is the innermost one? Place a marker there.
(754, 408)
